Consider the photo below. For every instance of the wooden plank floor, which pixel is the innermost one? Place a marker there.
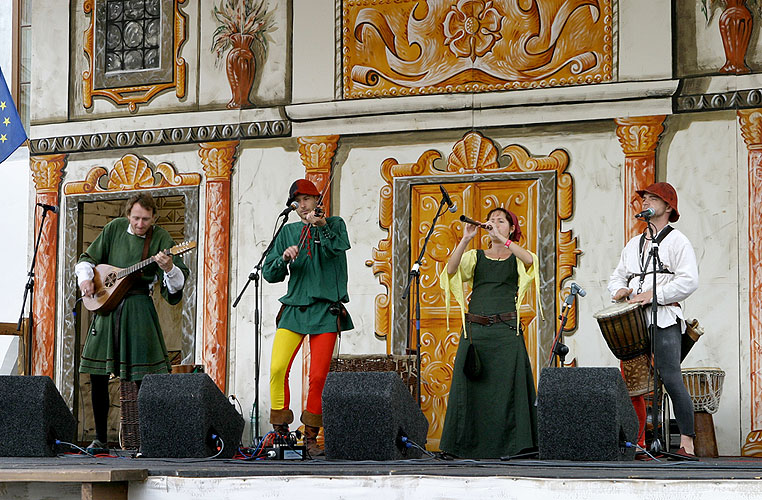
(80, 468)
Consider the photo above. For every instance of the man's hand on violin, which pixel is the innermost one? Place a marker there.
(315, 220)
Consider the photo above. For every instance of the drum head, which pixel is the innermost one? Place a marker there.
(615, 309)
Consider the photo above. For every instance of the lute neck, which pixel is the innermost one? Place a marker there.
(137, 267)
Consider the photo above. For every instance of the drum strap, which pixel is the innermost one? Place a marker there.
(644, 267)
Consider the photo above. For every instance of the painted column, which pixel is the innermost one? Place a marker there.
(47, 171)
(751, 130)
(317, 156)
(218, 159)
(639, 136)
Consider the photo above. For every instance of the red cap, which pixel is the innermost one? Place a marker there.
(301, 186)
(666, 192)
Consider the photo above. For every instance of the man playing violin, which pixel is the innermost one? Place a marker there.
(128, 341)
(313, 251)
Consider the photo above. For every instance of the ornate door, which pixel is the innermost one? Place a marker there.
(438, 343)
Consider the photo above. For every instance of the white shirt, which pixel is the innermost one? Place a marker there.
(174, 279)
(677, 256)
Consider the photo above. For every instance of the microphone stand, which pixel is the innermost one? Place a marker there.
(29, 291)
(656, 416)
(254, 276)
(559, 350)
(415, 275)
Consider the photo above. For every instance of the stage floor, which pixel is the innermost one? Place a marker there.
(723, 468)
(66, 477)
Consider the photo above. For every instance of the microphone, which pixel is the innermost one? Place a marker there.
(645, 214)
(576, 289)
(452, 207)
(45, 206)
(290, 208)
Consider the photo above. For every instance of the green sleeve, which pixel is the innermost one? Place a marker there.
(98, 251)
(165, 243)
(334, 237)
(275, 269)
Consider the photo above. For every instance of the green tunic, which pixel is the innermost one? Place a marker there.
(318, 276)
(494, 416)
(140, 348)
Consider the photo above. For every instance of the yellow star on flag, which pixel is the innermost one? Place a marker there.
(2, 105)
(7, 121)
(3, 138)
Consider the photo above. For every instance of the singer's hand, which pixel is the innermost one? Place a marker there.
(87, 288)
(495, 235)
(622, 293)
(644, 298)
(290, 253)
(315, 220)
(469, 231)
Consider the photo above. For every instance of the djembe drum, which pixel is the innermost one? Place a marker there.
(705, 388)
(624, 329)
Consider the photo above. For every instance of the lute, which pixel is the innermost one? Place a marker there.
(112, 283)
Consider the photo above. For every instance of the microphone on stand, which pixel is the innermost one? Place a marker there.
(451, 206)
(575, 290)
(290, 208)
(645, 214)
(45, 206)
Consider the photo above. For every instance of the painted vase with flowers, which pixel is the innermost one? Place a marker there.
(735, 23)
(243, 26)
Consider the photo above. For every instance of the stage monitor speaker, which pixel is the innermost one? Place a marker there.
(367, 415)
(585, 414)
(180, 415)
(33, 415)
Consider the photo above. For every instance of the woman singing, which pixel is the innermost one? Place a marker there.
(491, 410)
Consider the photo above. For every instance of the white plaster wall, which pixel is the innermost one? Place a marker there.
(645, 40)
(49, 93)
(701, 161)
(260, 186)
(314, 40)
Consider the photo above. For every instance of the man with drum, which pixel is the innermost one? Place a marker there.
(633, 279)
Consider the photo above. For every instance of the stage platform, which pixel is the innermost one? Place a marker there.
(80, 476)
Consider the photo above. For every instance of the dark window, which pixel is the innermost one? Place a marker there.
(133, 30)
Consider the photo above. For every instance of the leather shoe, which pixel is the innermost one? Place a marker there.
(97, 448)
(685, 454)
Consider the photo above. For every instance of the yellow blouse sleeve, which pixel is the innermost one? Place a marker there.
(527, 277)
(452, 284)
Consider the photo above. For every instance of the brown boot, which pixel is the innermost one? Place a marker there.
(280, 420)
(281, 429)
(310, 441)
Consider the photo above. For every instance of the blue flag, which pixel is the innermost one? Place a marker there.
(12, 133)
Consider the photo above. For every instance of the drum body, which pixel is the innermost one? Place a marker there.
(638, 373)
(705, 387)
(624, 329)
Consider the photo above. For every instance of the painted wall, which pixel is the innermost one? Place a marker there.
(702, 154)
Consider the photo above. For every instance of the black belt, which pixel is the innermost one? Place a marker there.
(490, 320)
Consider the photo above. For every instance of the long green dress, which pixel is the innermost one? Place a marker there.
(140, 348)
(495, 415)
